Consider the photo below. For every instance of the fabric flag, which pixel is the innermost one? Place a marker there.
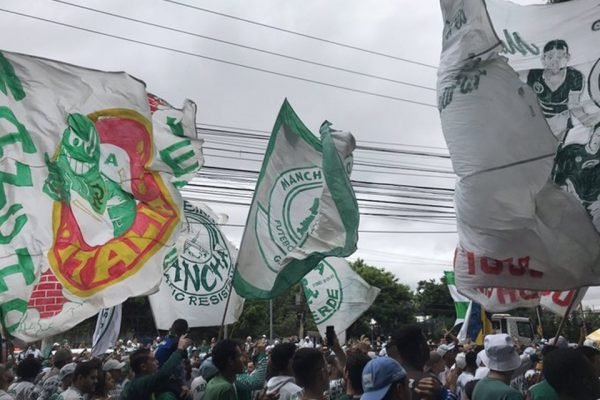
(461, 303)
(517, 229)
(89, 204)
(496, 299)
(477, 324)
(336, 295)
(108, 326)
(198, 279)
(304, 208)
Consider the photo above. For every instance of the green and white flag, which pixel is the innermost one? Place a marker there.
(304, 208)
(336, 295)
(197, 279)
(461, 303)
(89, 201)
(108, 327)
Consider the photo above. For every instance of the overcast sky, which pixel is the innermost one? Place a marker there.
(239, 97)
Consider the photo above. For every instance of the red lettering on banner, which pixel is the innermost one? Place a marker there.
(560, 301)
(490, 266)
(471, 261)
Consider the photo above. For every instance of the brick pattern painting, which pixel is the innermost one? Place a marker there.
(47, 296)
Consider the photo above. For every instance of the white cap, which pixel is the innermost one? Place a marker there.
(461, 360)
(112, 364)
(444, 348)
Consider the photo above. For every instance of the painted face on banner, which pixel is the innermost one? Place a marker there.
(111, 213)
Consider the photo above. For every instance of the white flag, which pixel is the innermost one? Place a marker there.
(304, 208)
(517, 228)
(88, 202)
(108, 326)
(198, 280)
(495, 299)
(336, 295)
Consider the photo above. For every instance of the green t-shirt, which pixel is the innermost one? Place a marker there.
(542, 391)
(493, 389)
(218, 388)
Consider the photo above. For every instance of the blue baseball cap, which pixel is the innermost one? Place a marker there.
(379, 375)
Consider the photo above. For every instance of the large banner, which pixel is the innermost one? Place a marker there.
(89, 204)
(517, 228)
(304, 208)
(336, 295)
(198, 280)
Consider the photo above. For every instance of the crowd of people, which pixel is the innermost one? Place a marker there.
(404, 367)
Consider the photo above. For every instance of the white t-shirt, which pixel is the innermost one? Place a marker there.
(461, 382)
(285, 386)
(198, 387)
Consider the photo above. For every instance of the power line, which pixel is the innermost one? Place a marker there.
(303, 35)
(222, 61)
(238, 129)
(273, 53)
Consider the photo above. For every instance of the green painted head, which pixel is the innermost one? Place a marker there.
(80, 144)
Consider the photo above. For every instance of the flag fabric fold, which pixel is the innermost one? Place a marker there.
(108, 326)
(517, 227)
(337, 295)
(89, 202)
(461, 302)
(304, 208)
(198, 277)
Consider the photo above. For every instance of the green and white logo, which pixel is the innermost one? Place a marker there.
(323, 291)
(202, 273)
(291, 213)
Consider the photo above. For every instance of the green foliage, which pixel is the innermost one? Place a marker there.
(393, 307)
(433, 300)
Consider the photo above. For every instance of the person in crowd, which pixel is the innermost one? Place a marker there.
(593, 355)
(115, 369)
(227, 357)
(105, 384)
(247, 382)
(51, 385)
(85, 378)
(469, 388)
(282, 382)
(310, 372)
(148, 379)
(448, 354)
(206, 372)
(502, 359)
(66, 379)
(384, 378)
(355, 363)
(572, 375)
(467, 375)
(543, 390)
(24, 388)
(409, 347)
(435, 365)
(6, 378)
(177, 382)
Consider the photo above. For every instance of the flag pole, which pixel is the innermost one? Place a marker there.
(222, 328)
(540, 328)
(564, 319)
(271, 321)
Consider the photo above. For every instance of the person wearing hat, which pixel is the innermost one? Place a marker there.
(115, 369)
(51, 383)
(66, 378)
(85, 378)
(384, 378)
(502, 359)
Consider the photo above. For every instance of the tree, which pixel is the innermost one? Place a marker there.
(393, 307)
(436, 305)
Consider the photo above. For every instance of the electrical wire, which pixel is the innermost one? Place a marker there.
(304, 35)
(222, 61)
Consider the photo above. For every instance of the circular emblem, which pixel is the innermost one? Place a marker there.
(204, 268)
(596, 25)
(578, 159)
(292, 212)
(538, 88)
(323, 291)
(594, 83)
(111, 212)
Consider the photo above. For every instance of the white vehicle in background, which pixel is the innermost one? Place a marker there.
(516, 327)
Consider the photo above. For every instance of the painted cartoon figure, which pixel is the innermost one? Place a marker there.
(559, 88)
(577, 170)
(75, 172)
